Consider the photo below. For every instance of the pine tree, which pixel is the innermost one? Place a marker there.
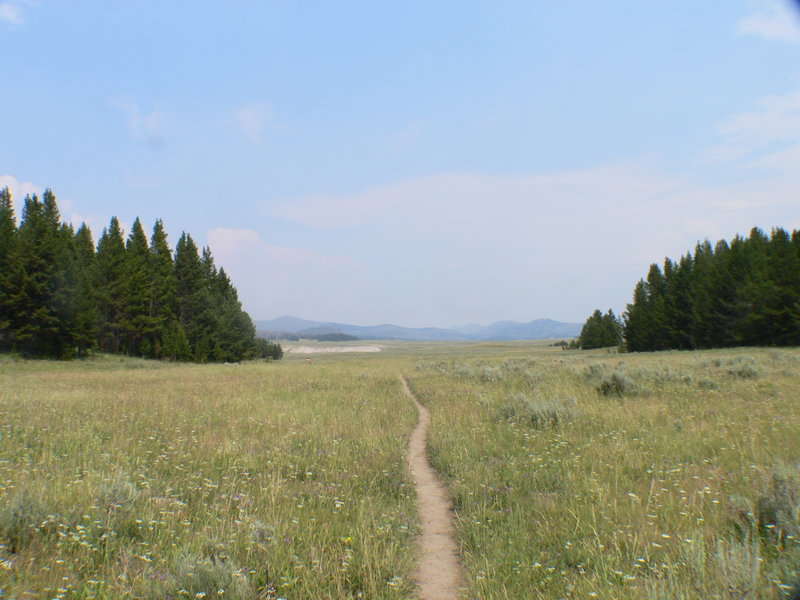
(163, 309)
(236, 330)
(743, 293)
(193, 298)
(85, 325)
(601, 331)
(8, 232)
(682, 305)
(781, 294)
(8, 226)
(35, 283)
(636, 319)
(58, 297)
(136, 323)
(108, 285)
(702, 268)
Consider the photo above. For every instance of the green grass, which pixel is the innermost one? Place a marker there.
(663, 486)
(574, 474)
(123, 479)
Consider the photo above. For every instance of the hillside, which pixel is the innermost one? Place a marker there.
(501, 330)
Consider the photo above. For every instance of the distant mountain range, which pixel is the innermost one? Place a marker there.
(538, 329)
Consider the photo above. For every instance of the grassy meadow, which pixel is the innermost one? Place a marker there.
(123, 478)
(574, 474)
(597, 475)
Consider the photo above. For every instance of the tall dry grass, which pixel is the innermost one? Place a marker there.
(597, 475)
(125, 478)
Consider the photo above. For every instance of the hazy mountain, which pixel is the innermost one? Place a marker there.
(501, 330)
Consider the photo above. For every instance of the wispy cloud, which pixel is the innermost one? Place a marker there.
(773, 20)
(254, 119)
(478, 237)
(284, 280)
(765, 131)
(147, 126)
(10, 12)
(454, 202)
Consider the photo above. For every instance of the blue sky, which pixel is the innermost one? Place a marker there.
(421, 163)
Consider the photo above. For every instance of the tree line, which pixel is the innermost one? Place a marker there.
(599, 331)
(745, 292)
(61, 297)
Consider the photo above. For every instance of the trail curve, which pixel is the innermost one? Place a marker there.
(439, 573)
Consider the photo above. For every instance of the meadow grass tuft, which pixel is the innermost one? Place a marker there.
(536, 413)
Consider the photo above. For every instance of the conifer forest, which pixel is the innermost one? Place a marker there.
(62, 297)
(742, 293)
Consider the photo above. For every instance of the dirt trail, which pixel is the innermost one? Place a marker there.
(439, 573)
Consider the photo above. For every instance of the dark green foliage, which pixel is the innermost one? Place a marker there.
(163, 307)
(743, 293)
(8, 230)
(86, 315)
(36, 290)
(333, 337)
(601, 331)
(266, 349)
(109, 287)
(60, 298)
(137, 323)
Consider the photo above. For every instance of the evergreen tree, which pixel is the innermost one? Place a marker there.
(8, 231)
(702, 268)
(743, 293)
(136, 322)
(637, 326)
(8, 226)
(193, 299)
(59, 297)
(86, 315)
(35, 283)
(780, 295)
(109, 287)
(163, 308)
(269, 350)
(681, 305)
(236, 330)
(600, 331)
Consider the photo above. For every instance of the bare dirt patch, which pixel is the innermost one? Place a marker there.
(439, 574)
(327, 349)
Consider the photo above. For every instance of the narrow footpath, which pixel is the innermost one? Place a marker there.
(439, 574)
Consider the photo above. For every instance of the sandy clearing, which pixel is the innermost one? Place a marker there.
(327, 349)
(439, 573)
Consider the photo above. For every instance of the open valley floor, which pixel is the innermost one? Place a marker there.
(570, 474)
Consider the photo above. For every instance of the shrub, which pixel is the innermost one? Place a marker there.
(538, 414)
(206, 577)
(616, 384)
(116, 493)
(708, 384)
(778, 508)
(22, 517)
(596, 371)
(491, 374)
(744, 371)
(742, 516)
(116, 498)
